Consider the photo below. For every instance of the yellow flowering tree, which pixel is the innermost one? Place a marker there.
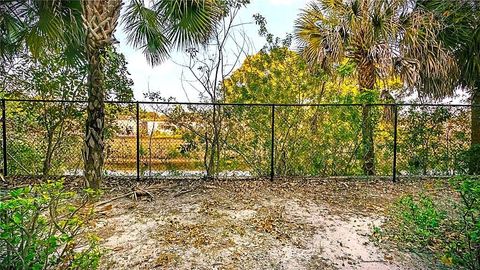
(309, 140)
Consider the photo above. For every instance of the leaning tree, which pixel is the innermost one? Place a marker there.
(382, 38)
(85, 29)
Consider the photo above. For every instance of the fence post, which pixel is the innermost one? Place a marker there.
(4, 136)
(138, 139)
(272, 147)
(395, 124)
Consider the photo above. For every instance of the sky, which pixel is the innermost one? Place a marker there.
(166, 77)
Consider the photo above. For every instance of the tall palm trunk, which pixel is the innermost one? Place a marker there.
(94, 145)
(100, 20)
(475, 132)
(366, 81)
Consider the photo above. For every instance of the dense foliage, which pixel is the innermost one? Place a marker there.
(461, 34)
(325, 140)
(43, 227)
(49, 141)
(382, 39)
(452, 234)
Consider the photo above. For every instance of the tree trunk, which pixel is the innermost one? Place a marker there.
(475, 131)
(94, 145)
(366, 81)
(367, 141)
(47, 162)
(100, 20)
(216, 141)
(211, 149)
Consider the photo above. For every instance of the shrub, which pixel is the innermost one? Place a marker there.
(465, 249)
(472, 156)
(43, 227)
(421, 218)
(454, 237)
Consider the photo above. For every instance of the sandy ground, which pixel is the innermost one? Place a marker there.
(253, 225)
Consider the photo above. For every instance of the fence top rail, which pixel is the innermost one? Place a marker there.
(250, 104)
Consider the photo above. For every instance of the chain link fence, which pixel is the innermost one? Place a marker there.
(196, 140)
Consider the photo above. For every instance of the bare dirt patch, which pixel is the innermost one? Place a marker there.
(254, 225)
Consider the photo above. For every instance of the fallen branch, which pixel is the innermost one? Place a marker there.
(136, 192)
(183, 192)
(114, 199)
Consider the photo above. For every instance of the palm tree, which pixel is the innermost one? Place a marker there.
(461, 34)
(382, 38)
(156, 30)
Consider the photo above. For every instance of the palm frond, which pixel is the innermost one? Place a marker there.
(189, 22)
(145, 30)
(38, 26)
(469, 59)
(10, 31)
(460, 34)
(437, 69)
(321, 42)
(169, 24)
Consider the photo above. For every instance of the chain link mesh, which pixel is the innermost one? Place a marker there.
(196, 140)
(433, 140)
